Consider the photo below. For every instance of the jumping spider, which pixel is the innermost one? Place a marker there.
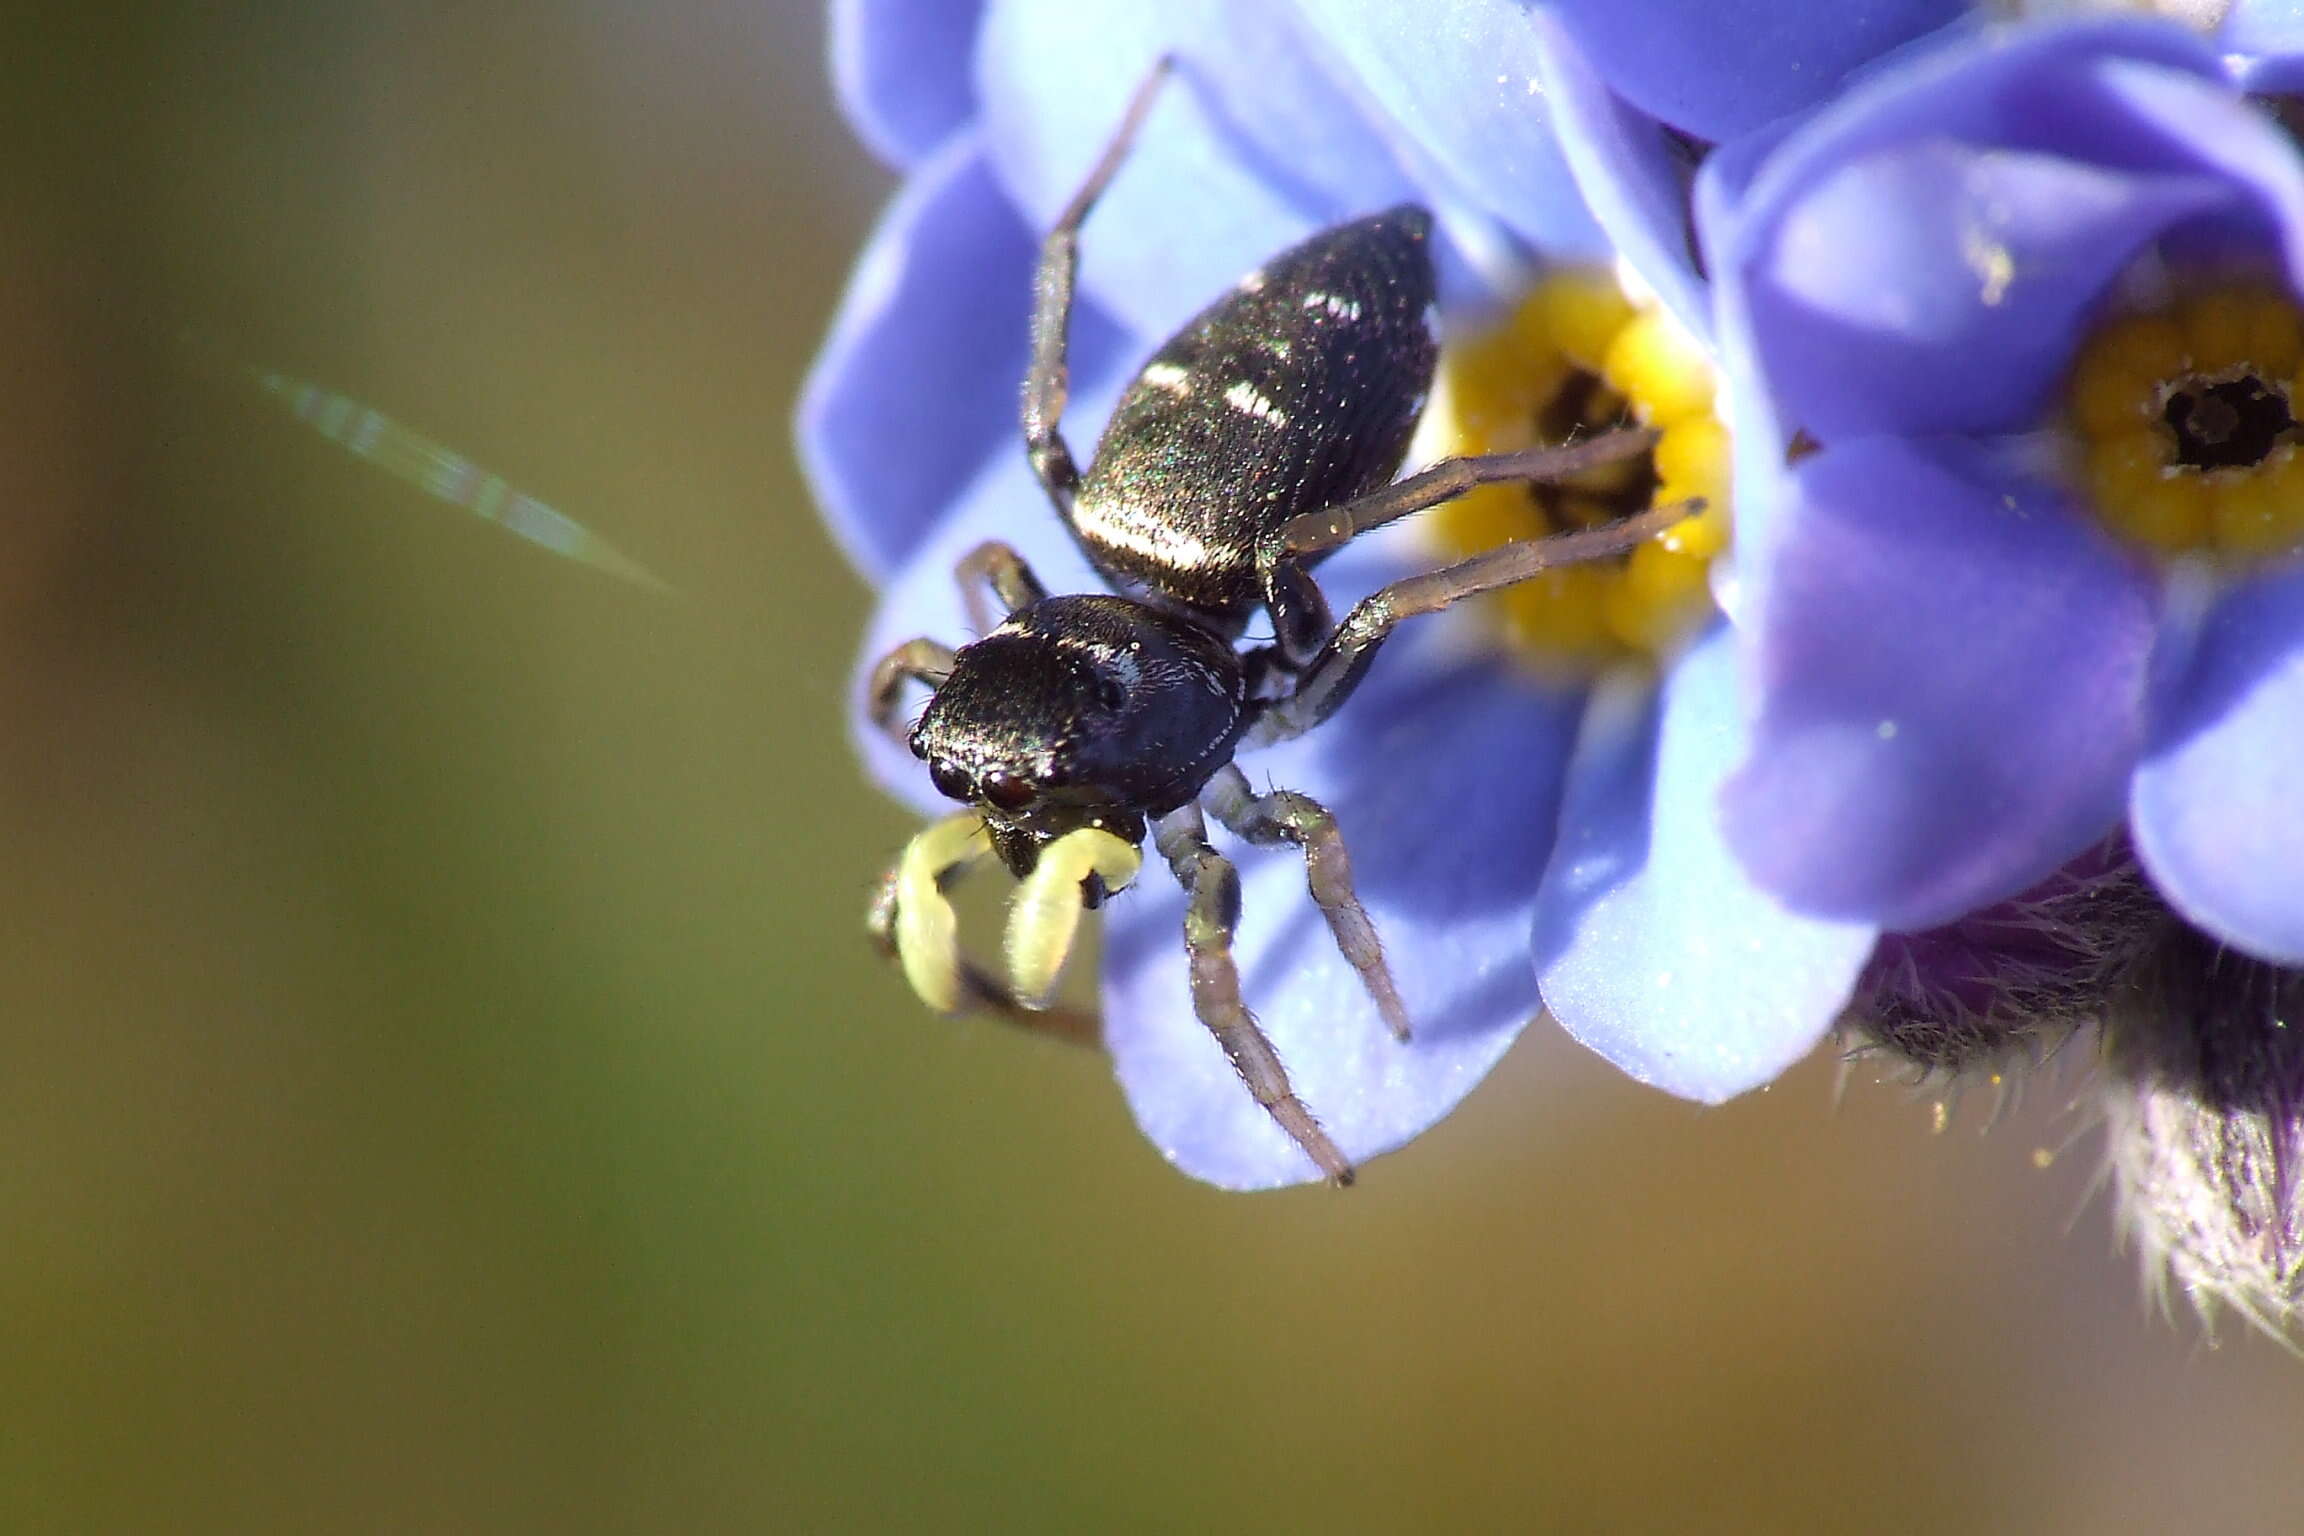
(1259, 439)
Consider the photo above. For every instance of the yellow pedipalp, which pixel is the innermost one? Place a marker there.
(1045, 913)
(927, 932)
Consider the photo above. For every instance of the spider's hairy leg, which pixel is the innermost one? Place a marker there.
(1049, 383)
(1317, 533)
(995, 566)
(992, 565)
(923, 661)
(1343, 661)
(1286, 817)
(1211, 915)
(1299, 612)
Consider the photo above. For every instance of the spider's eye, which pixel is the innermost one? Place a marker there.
(1006, 791)
(951, 784)
(1110, 694)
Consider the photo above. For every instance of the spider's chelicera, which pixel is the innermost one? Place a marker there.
(1260, 438)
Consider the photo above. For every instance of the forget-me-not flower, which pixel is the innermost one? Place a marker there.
(2018, 328)
(1448, 770)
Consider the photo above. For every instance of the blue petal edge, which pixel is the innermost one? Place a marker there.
(1444, 777)
(2218, 803)
(1652, 946)
(917, 383)
(901, 71)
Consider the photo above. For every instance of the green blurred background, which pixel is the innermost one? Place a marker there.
(443, 1084)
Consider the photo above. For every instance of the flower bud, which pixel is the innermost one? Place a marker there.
(2010, 982)
(2204, 1103)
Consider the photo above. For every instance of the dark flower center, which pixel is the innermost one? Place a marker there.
(1584, 406)
(2227, 425)
(1575, 359)
(2186, 421)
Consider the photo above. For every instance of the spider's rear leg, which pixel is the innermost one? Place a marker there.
(1300, 614)
(1332, 675)
(1316, 533)
(1285, 816)
(1344, 660)
(1211, 915)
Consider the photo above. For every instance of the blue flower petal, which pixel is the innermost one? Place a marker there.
(1652, 945)
(1460, 84)
(1251, 147)
(1634, 179)
(1445, 782)
(918, 381)
(1952, 663)
(1717, 68)
(901, 70)
(2218, 806)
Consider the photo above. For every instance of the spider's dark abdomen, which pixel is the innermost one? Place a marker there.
(1296, 391)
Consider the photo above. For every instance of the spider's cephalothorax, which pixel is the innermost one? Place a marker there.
(1091, 711)
(1260, 438)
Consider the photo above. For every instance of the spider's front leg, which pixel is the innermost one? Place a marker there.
(923, 661)
(996, 567)
(1286, 817)
(1049, 383)
(1212, 913)
(991, 565)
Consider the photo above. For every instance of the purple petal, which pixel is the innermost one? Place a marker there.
(1717, 68)
(918, 381)
(1445, 782)
(1460, 85)
(2264, 41)
(1895, 272)
(1951, 663)
(1652, 945)
(2219, 801)
(1976, 201)
(2044, 90)
(901, 69)
(1251, 147)
(1632, 176)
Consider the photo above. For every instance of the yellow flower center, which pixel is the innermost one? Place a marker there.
(1576, 358)
(2185, 419)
